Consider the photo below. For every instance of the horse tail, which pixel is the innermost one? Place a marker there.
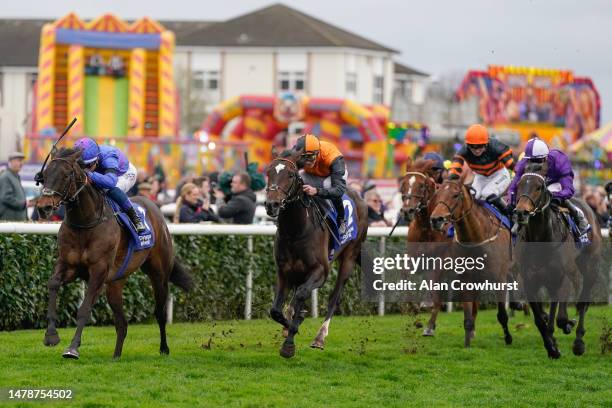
(181, 276)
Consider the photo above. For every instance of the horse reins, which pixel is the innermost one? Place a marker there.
(536, 208)
(47, 192)
(290, 193)
(454, 207)
(428, 180)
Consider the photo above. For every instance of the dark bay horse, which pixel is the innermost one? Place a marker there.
(301, 248)
(92, 246)
(418, 187)
(541, 223)
(475, 227)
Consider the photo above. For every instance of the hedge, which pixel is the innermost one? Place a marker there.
(219, 265)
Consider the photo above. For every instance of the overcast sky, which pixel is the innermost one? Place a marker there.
(437, 37)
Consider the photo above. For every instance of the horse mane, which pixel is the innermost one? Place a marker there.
(421, 165)
(66, 152)
(534, 167)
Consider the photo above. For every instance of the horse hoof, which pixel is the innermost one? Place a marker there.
(164, 351)
(51, 340)
(287, 350)
(428, 332)
(554, 354)
(71, 353)
(318, 344)
(508, 340)
(578, 348)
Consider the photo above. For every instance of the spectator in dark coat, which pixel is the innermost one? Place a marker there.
(13, 202)
(241, 206)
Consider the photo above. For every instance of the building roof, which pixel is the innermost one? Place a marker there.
(279, 26)
(21, 38)
(399, 68)
(273, 26)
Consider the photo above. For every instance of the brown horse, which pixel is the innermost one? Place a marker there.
(418, 187)
(539, 222)
(301, 248)
(92, 246)
(475, 227)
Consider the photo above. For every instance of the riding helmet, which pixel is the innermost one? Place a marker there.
(90, 149)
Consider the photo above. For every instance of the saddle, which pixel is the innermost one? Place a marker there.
(136, 242)
(330, 217)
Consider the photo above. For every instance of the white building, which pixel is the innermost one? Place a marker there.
(273, 49)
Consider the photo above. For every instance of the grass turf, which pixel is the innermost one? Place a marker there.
(368, 361)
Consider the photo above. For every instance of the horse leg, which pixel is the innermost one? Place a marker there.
(155, 271)
(578, 347)
(430, 330)
(302, 293)
(550, 322)
(589, 270)
(468, 323)
(114, 296)
(502, 318)
(55, 282)
(346, 267)
(97, 274)
(538, 317)
(474, 314)
(276, 311)
(563, 322)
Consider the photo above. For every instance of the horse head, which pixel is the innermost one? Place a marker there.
(284, 181)
(533, 195)
(451, 203)
(417, 188)
(63, 179)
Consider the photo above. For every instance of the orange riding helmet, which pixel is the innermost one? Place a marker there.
(477, 135)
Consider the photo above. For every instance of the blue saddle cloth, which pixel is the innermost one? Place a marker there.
(351, 224)
(581, 241)
(501, 217)
(136, 242)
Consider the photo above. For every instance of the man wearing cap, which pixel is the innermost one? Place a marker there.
(490, 160)
(13, 202)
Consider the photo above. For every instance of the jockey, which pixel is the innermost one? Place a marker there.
(490, 160)
(108, 169)
(559, 178)
(325, 172)
(438, 166)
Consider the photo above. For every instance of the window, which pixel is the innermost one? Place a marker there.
(205, 80)
(351, 83)
(379, 89)
(291, 81)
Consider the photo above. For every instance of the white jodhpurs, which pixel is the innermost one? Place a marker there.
(128, 179)
(495, 184)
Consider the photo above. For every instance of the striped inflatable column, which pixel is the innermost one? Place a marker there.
(76, 83)
(46, 79)
(136, 93)
(167, 110)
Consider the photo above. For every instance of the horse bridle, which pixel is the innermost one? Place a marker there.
(452, 209)
(296, 182)
(72, 179)
(428, 181)
(536, 207)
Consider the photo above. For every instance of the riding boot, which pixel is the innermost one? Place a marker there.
(136, 220)
(339, 206)
(578, 216)
(500, 203)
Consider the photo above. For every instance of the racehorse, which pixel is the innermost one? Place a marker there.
(301, 248)
(540, 222)
(92, 246)
(418, 188)
(475, 228)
